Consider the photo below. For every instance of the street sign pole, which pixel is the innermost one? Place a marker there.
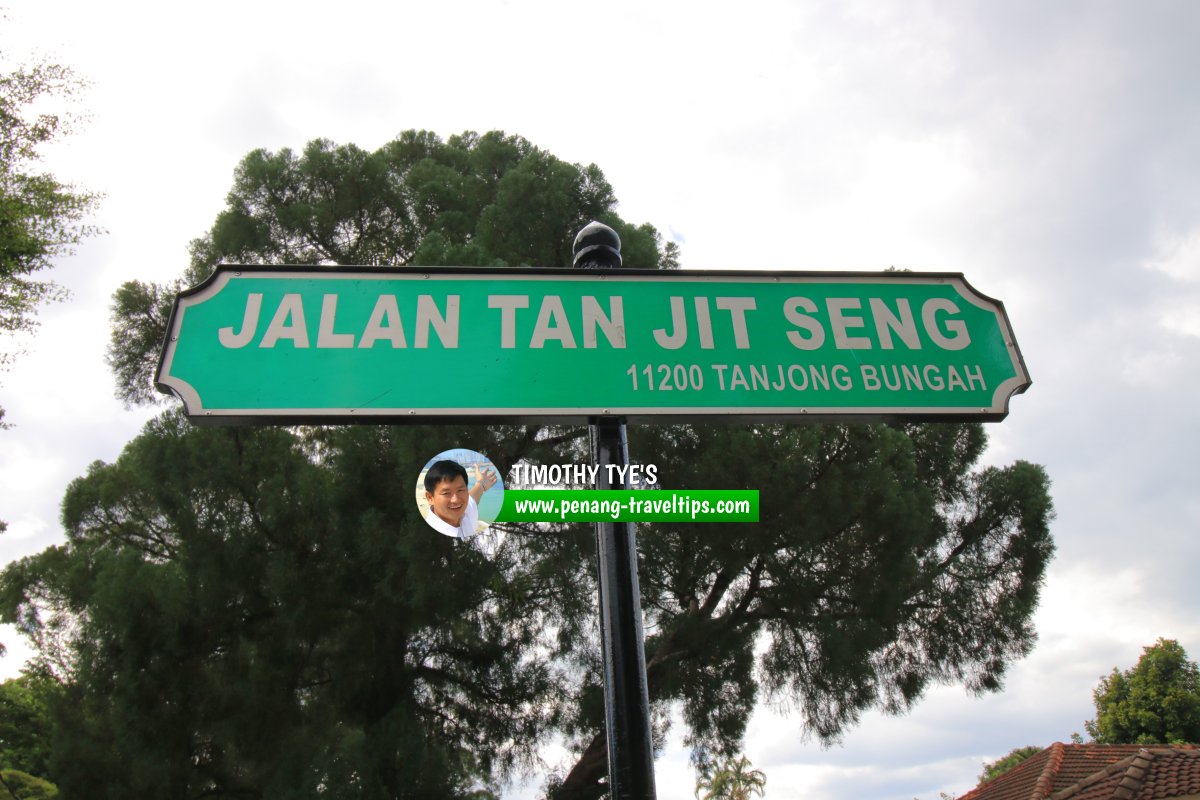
(626, 695)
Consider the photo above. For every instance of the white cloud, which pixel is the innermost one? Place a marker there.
(17, 652)
(1185, 321)
(1177, 256)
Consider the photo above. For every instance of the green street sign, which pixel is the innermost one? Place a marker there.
(333, 344)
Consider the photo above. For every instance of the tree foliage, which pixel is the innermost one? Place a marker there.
(260, 619)
(40, 216)
(19, 785)
(1002, 765)
(261, 610)
(1157, 701)
(25, 737)
(25, 727)
(732, 778)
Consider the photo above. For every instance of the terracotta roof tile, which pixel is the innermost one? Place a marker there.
(1174, 772)
(1098, 772)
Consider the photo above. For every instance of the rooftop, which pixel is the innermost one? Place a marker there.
(1099, 772)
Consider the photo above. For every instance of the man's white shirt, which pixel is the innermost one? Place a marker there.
(465, 529)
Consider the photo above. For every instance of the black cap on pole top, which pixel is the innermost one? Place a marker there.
(597, 246)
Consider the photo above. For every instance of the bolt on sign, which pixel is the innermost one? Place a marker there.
(335, 344)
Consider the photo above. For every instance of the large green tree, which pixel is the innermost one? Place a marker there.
(1157, 701)
(261, 610)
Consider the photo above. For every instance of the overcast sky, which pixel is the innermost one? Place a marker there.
(1050, 151)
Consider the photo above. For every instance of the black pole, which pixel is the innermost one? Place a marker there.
(626, 698)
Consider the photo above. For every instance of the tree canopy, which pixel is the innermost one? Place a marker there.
(1157, 701)
(261, 611)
